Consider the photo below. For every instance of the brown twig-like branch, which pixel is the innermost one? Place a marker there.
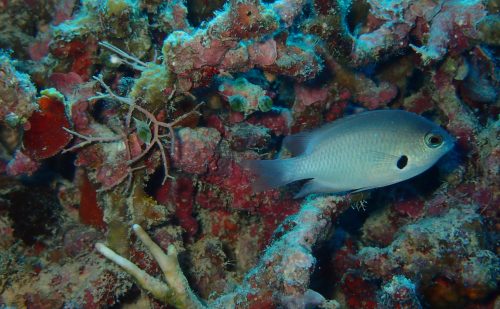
(155, 124)
(89, 140)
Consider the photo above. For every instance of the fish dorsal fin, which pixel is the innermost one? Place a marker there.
(299, 143)
(360, 119)
(303, 142)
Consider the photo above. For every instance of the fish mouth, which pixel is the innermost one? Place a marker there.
(449, 143)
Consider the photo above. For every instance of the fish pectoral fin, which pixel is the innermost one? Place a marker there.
(317, 186)
(383, 159)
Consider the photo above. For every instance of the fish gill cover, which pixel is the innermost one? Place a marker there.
(125, 126)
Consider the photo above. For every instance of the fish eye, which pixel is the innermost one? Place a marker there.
(433, 140)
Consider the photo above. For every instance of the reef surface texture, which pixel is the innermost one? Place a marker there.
(124, 125)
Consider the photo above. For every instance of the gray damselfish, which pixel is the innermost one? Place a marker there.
(359, 152)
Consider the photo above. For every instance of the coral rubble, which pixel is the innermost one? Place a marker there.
(124, 125)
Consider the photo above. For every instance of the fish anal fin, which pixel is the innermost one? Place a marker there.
(317, 186)
(363, 189)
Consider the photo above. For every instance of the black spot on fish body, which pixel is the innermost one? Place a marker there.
(402, 162)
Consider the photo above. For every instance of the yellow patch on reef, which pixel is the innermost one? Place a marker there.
(117, 7)
(150, 86)
(52, 93)
(145, 210)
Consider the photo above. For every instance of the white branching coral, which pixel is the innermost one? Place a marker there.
(175, 290)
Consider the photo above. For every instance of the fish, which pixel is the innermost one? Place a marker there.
(360, 152)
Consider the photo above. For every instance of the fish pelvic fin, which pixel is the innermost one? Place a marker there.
(271, 173)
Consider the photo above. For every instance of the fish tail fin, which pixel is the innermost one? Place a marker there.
(270, 173)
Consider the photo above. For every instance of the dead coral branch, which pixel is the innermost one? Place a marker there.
(132, 61)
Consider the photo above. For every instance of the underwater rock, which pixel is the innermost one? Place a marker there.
(180, 194)
(195, 149)
(418, 253)
(243, 136)
(400, 293)
(35, 213)
(17, 94)
(244, 96)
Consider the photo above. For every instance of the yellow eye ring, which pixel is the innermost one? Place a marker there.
(433, 140)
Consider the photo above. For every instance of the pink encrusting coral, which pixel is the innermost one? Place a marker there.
(226, 44)
(449, 24)
(121, 119)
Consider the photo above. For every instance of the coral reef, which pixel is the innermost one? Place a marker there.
(124, 125)
(281, 275)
